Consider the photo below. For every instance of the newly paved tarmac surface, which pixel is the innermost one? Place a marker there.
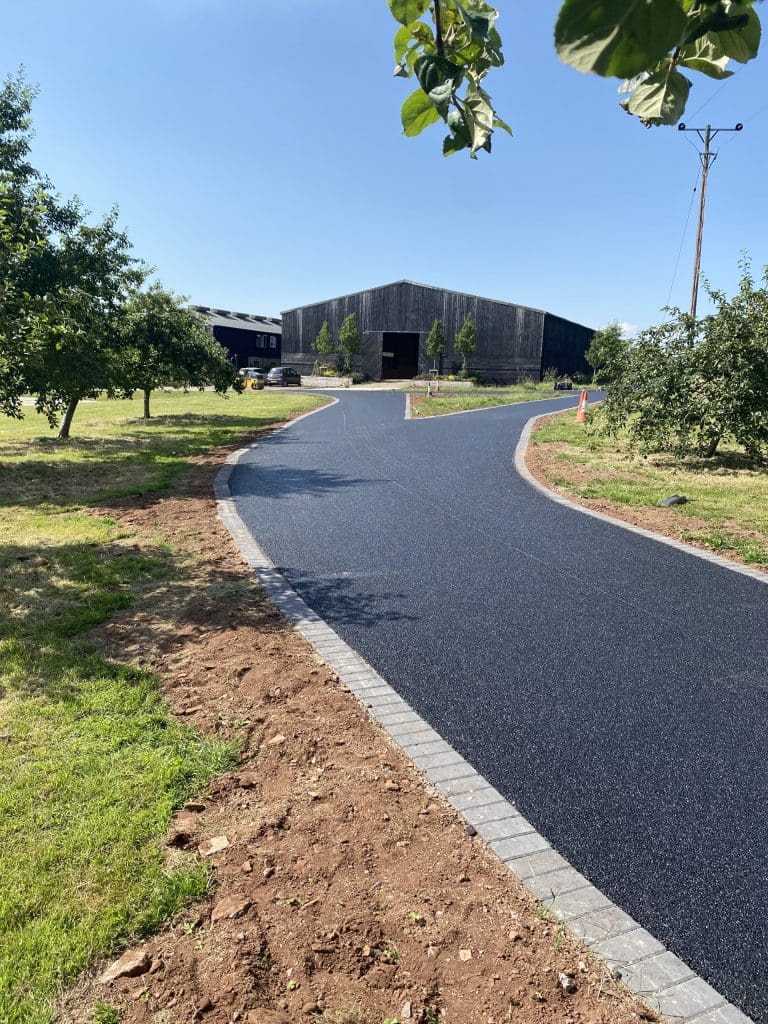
(615, 688)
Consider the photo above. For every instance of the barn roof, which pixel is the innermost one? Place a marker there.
(240, 321)
(416, 284)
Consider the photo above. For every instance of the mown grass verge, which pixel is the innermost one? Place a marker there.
(727, 508)
(446, 402)
(91, 759)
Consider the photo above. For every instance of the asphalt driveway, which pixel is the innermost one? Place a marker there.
(616, 689)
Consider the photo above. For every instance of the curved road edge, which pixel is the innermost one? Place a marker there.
(663, 981)
(708, 556)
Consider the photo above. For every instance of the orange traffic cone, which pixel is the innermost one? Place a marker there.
(581, 411)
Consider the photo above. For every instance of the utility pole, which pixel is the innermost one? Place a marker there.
(707, 159)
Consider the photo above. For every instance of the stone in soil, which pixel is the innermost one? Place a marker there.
(230, 907)
(212, 846)
(130, 965)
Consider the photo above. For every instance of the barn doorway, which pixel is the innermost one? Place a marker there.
(399, 355)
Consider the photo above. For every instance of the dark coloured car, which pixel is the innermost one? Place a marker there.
(284, 376)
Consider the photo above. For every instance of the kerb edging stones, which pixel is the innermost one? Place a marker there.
(655, 974)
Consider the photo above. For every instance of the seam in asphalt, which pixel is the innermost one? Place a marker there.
(659, 978)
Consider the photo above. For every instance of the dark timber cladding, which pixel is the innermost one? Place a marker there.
(395, 320)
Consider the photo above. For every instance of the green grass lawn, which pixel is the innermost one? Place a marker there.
(92, 762)
(727, 507)
(465, 401)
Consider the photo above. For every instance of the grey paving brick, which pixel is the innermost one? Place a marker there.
(536, 864)
(426, 761)
(433, 747)
(370, 693)
(470, 784)
(726, 1014)
(519, 846)
(629, 947)
(477, 798)
(575, 904)
(503, 828)
(657, 972)
(418, 740)
(602, 924)
(488, 812)
(556, 883)
(418, 728)
(688, 999)
(512, 826)
(387, 718)
(455, 770)
(381, 699)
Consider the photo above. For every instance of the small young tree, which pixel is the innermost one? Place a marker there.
(466, 342)
(324, 344)
(606, 352)
(436, 342)
(349, 342)
(169, 345)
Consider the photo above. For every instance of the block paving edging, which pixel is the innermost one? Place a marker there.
(689, 549)
(656, 975)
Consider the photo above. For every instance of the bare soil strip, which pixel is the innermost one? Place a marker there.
(343, 889)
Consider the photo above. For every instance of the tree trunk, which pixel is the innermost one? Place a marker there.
(147, 393)
(67, 421)
(714, 441)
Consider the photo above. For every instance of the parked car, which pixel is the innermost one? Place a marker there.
(284, 376)
(253, 377)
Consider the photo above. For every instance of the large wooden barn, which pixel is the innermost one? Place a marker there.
(395, 319)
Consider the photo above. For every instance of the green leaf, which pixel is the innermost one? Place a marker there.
(660, 99)
(406, 11)
(403, 39)
(741, 44)
(418, 113)
(478, 118)
(432, 72)
(498, 123)
(479, 23)
(704, 55)
(617, 37)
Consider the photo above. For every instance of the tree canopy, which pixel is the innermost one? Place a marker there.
(450, 46)
(687, 384)
(167, 344)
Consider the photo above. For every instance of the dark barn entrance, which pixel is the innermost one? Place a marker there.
(399, 355)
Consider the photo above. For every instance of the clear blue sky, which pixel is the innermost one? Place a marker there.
(255, 152)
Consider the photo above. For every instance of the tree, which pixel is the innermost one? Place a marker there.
(31, 217)
(81, 352)
(644, 43)
(466, 341)
(349, 342)
(606, 351)
(436, 342)
(687, 384)
(324, 344)
(167, 344)
(64, 282)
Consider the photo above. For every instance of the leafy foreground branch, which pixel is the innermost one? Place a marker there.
(450, 46)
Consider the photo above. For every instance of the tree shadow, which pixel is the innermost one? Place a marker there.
(283, 481)
(342, 601)
(722, 463)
